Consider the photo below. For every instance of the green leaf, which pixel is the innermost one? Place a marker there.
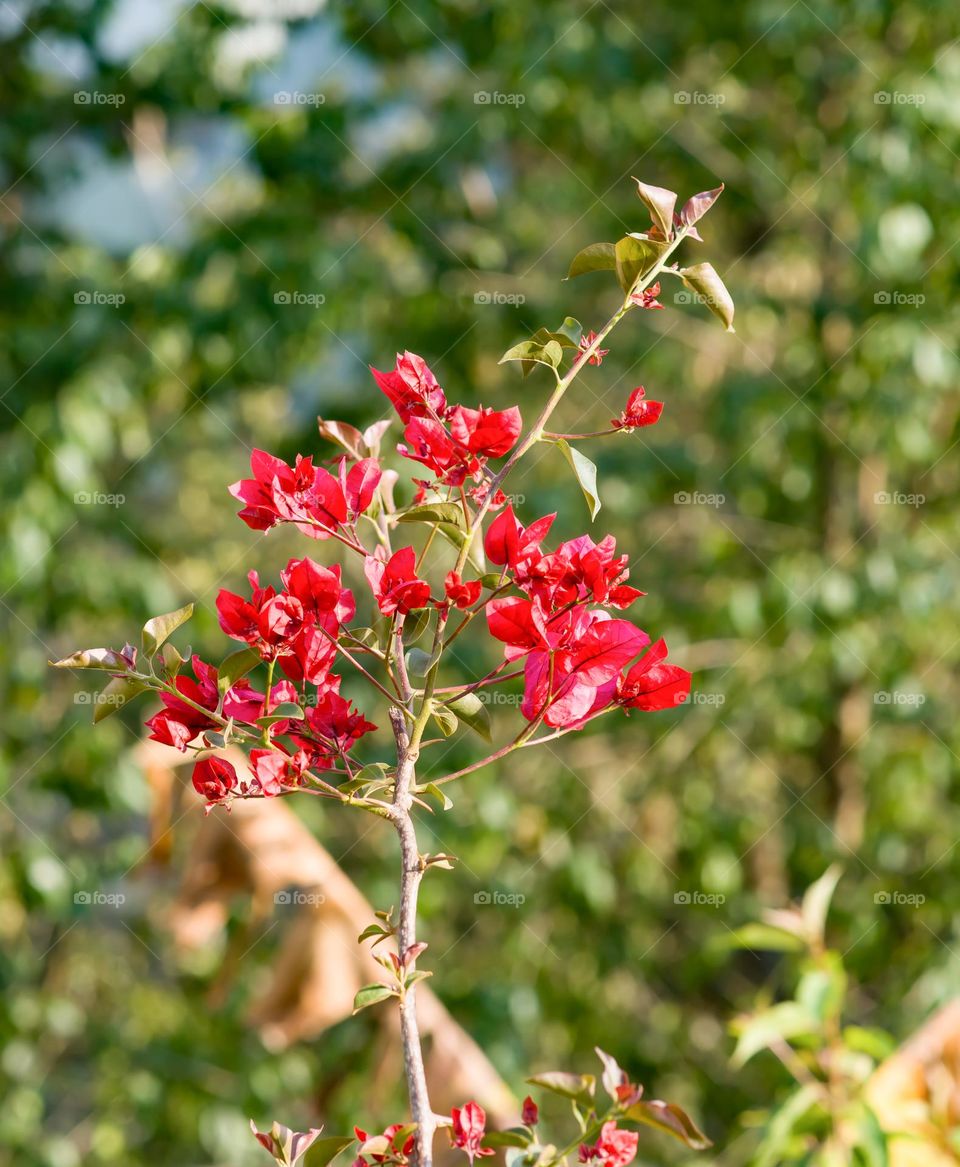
(235, 666)
(373, 930)
(326, 1149)
(580, 1087)
(572, 329)
(492, 580)
(595, 257)
(666, 1116)
(418, 662)
(703, 280)
(766, 938)
(433, 791)
(872, 1139)
(92, 658)
(517, 1136)
(816, 902)
(635, 257)
(875, 1043)
(822, 990)
(660, 203)
(529, 351)
(114, 695)
(434, 512)
(372, 777)
(788, 1019)
(783, 1123)
(473, 712)
(372, 995)
(285, 711)
(446, 720)
(156, 631)
(585, 472)
(171, 661)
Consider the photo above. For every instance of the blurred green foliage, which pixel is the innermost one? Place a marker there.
(821, 620)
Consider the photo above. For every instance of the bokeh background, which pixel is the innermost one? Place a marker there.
(214, 217)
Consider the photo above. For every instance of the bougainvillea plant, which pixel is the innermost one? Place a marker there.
(445, 557)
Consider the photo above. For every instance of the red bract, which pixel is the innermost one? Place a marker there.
(361, 484)
(651, 684)
(469, 1123)
(586, 341)
(325, 600)
(412, 388)
(614, 1148)
(276, 770)
(531, 1112)
(244, 703)
(394, 584)
(431, 445)
(638, 412)
(579, 571)
(178, 723)
(335, 721)
(214, 778)
(461, 594)
(509, 544)
(303, 494)
(488, 432)
(647, 298)
(391, 1148)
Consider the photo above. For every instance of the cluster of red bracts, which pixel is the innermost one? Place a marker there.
(452, 441)
(575, 655)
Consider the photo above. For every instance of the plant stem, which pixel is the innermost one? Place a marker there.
(412, 873)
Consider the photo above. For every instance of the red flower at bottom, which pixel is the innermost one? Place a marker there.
(214, 778)
(614, 1148)
(638, 412)
(469, 1123)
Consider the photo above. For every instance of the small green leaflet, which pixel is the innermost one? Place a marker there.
(585, 472)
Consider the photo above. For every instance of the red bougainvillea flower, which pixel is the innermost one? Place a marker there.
(214, 778)
(575, 677)
(324, 599)
(638, 412)
(469, 1123)
(276, 770)
(412, 388)
(651, 684)
(303, 494)
(336, 723)
(394, 584)
(244, 703)
(178, 723)
(614, 1148)
(462, 594)
(392, 1148)
(285, 1145)
(586, 341)
(488, 432)
(430, 444)
(647, 298)
(530, 1115)
(509, 544)
(359, 485)
(579, 571)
